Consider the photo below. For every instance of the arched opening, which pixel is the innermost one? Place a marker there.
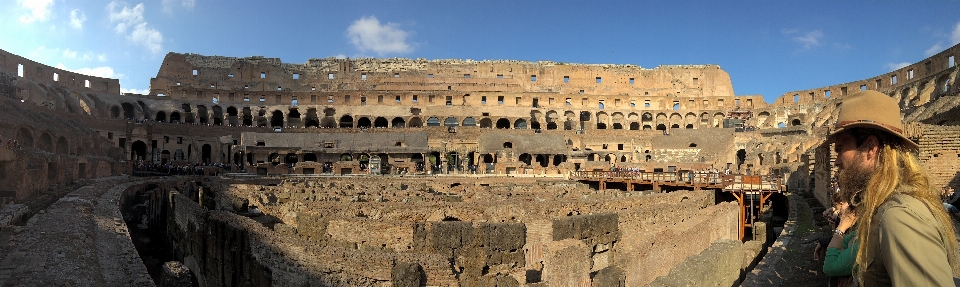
(161, 116)
(526, 158)
(543, 160)
(381, 122)
(551, 126)
(138, 151)
(617, 126)
(233, 118)
(675, 126)
(328, 122)
(291, 159)
(634, 126)
(310, 157)
(293, 118)
(689, 126)
(535, 125)
(46, 142)
(795, 122)
(363, 122)
(205, 152)
(217, 116)
(398, 122)
(741, 157)
(489, 158)
(312, 120)
(503, 124)
(558, 159)
(346, 121)
(276, 119)
(647, 127)
(62, 146)
(569, 125)
(584, 116)
(451, 122)
(175, 117)
(520, 124)
(469, 122)
(661, 127)
(115, 112)
(346, 157)
(486, 123)
(128, 112)
(164, 156)
(274, 159)
(433, 122)
(415, 123)
(247, 117)
(202, 112)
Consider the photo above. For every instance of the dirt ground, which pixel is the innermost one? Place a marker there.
(798, 267)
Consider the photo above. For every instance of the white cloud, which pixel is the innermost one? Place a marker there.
(810, 39)
(135, 91)
(39, 10)
(936, 48)
(126, 16)
(103, 72)
(168, 5)
(102, 57)
(147, 36)
(897, 66)
(77, 18)
(955, 36)
(132, 19)
(340, 56)
(70, 54)
(367, 34)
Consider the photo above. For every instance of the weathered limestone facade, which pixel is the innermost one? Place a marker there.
(493, 138)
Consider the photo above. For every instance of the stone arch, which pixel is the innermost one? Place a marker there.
(276, 118)
(25, 138)
(363, 122)
(602, 120)
(115, 112)
(217, 116)
(330, 112)
(690, 119)
(175, 117)
(312, 120)
(520, 124)
(433, 122)
(795, 122)
(128, 111)
(381, 122)
(398, 122)
(617, 119)
(328, 122)
(346, 121)
(415, 122)
(202, 114)
(62, 146)
(293, 118)
(486, 123)
(451, 122)
(634, 126)
(469, 122)
(161, 116)
(552, 116)
(762, 118)
(46, 142)
(717, 119)
(138, 150)
(503, 123)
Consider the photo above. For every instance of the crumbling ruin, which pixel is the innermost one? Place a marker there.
(409, 172)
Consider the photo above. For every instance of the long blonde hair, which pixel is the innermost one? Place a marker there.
(899, 171)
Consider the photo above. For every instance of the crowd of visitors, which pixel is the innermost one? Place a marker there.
(151, 168)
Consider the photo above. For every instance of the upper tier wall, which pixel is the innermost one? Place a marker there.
(257, 74)
(893, 82)
(23, 67)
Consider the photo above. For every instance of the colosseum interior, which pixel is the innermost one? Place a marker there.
(415, 172)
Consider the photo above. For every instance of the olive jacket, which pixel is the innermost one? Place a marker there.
(907, 246)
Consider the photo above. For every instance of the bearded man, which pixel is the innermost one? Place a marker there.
(906, 236)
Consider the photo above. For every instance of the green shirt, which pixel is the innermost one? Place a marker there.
(839, 262)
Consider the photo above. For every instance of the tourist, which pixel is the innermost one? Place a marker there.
(949, 197)
(842, 248)
(906, 237)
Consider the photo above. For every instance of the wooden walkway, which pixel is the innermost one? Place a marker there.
(751, 191)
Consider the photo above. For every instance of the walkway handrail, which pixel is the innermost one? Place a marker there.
(704, 179)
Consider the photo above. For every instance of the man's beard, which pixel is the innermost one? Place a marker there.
(853, 180)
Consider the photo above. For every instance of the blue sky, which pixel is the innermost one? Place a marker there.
(768, 47)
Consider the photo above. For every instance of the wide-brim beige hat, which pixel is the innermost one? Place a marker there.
(870, 109)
